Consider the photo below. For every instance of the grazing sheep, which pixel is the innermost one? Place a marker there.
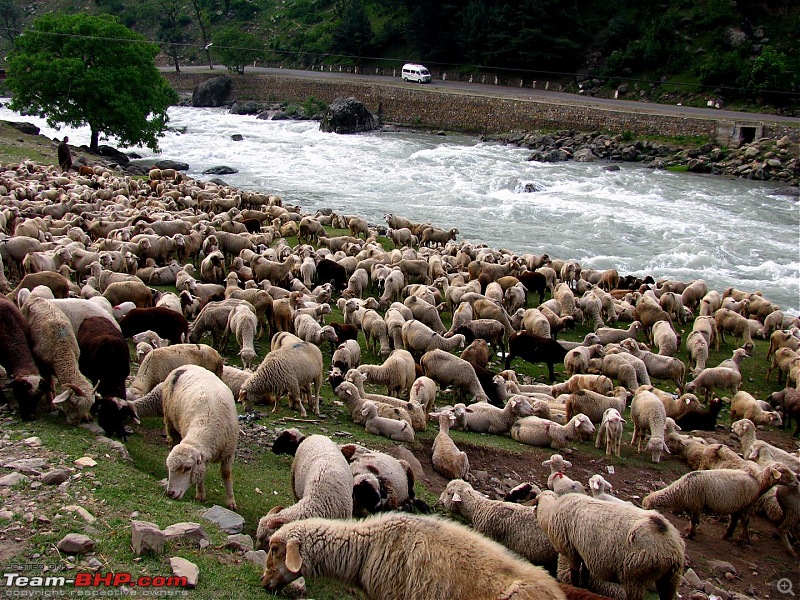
(346, 356)
(728, 321)
(202, 427)
(535, 349)
(482, 417)
(446, 369)
(697, 418)
(615, 542)
(400, 431)
(781, 339)
(243, 323)
(649, 416)
(557, 480)
(486, 329)
(129, 291)
(397, 372)
(615, 365)
(447, 459)
(744, 406)
(613, 335)
(513, 525)
(423, 391)
(322, 484)
(372, 555)
(418, 338)
(17, 359)
(665, 338)
(577, 359)
(376, 334)
(788, 402)
(309, 330)
(234, 378)
(610, 432)
(659, 366)
(781, 505)
(715, 378)
(594, 405)
(165, 322)
(477, 353)
(535, 431)
(161, 361)
(722, 492)
(697, 349)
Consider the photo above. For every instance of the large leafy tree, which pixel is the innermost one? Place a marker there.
(91, 70)
(236, 49)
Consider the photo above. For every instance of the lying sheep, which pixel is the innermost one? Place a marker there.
(150, 337)
(397, 372)
(348, 393)
(380, 482)
(610, 432)
(161, 361)
(400, 431)
(601, 489)
(202, 427)
(447, 459)
(721, 492)
(322, 484)
(744, 406)
(613, 335)
(411, 410)
(597, 383)
(513, 525)
(535, 431)
(372, 554)
(615, 542)
(649, 416)
(482, 417)
(557, 480)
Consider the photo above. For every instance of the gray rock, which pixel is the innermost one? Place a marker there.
(221, 170)
(184, 568)
(246, 108)
(239, 542)
(237, 137)
(81, 512)
(26, 463)
(584, 155)
(348, 115)
(751, 152)
(111, 152)
(257, 557)
(720, 567)
(693, 580)
(115, 445)
(94, 562)
(212, 92)
(172, 164)
(147, 538)
(76, 543)
(296, 589)
(27, 128)
(13, 479)
(56, 476)
(711, 589)
(227, 520)
(192, 533)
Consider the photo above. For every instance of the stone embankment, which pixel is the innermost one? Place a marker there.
(765, 159)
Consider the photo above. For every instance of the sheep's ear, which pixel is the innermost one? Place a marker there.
(294, 562)
(776, 475)
(547, 463)
(456, 497)
(595, 485)
(469, 410)
(664, 448)
(513, 403)
(623, 421)
(274, 510)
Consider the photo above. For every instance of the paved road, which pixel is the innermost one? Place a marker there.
(539, 95)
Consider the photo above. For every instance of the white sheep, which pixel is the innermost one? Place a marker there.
(447, 459)
(397, 372)
(400, 431)
(346, 356)
(558, 480)
(446, 369)
(483, 417)
(594, 405)
(613, 335)
(373, 555)
(322, 484)
(744, 406)
(309, 330)
(649, 416)
(513, 525)
(658, 365)
(243, 323)
(423, 391)
(78, 310)
(348, 393)
(535, 431)
(697, 349)
(234, 378)
(151, 337)
(665, 338)
(419, 338)
(412, 411)
(577, 359)
(161, 361)
(142, 350)
(598, 383)
(721, 492)
(610, 432)
(714, 378)
(601, 489)
(202, 427)
(614, 542)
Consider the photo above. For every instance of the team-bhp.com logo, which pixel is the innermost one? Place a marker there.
(93, 580)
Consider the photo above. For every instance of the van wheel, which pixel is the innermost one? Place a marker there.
(405, 79)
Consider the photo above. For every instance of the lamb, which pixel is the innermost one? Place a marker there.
(165, 322)
(513, 525)
(418, 338)
(17, 359)
(242, 322)
(557, 480)
(715, 378)
(396, 430)
(482, 417)
(55, 348)
(308, 330)
(601, 489)
(423, 392)
(346, 356)
(202, 427)
(447, 369)
(594, 405)
(234, 378)
(288, 370)
(722, 492)
(744, 406)
(150, 337)
(610, 432)
(411, 411)
(637, 547)
(577, 359)
(161, 361)
(447, 459)
(376, 334)
(351, 551)
(397, 372)
(649, 416)
(322, 484)
(535, 431)
(659, 366)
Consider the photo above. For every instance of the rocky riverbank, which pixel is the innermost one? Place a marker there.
(763, 160)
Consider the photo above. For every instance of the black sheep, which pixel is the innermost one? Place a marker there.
(534, 282)
(17, 359)
(329, 271)
(705, 420)
(164, 321)
(535, 349)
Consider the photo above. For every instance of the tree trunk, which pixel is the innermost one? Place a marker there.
(175, 60)
(94, 144)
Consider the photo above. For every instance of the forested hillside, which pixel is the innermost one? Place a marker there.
(742, 51)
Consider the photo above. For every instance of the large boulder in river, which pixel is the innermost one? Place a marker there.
(172, 164)
(111, 152)
(212, 92)
(348, 115)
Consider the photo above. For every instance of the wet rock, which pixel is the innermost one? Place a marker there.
(237, 137)
(76, 543)
(221, 170)
(585, 155)
(184, 568)
(212, 92)
(348, 115)
(172, 164)
(246, 108)
(227, 520)
(147, 538)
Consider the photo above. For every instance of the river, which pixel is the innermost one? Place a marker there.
(729, 232)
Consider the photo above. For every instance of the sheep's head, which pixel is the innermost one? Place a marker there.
(186, 466)
(656, 446)
(28, 389)
(284, 561)
(113, 414)
(368, 493)
(450, 497)
(75, 403)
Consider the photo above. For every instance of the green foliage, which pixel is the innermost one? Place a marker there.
(10, 17)
(83, 70)
(172, 29)
(353, 35)
(235, 48)
(769, 73)
(312, 106)
(723, 68)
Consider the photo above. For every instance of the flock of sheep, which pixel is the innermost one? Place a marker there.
(86, 249)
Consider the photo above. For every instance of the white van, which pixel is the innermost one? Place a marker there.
(418, 73)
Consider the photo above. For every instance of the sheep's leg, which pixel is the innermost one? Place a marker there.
(667, 586)
(732, 527)
(694, 521)
(226, 468)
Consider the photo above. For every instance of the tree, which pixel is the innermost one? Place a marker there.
(201, 23)
(90, 70)
(353, 35)
(235, 48)
(10, 15)
(171, 29)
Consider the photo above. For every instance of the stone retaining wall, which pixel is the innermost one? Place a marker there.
(468, 112)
